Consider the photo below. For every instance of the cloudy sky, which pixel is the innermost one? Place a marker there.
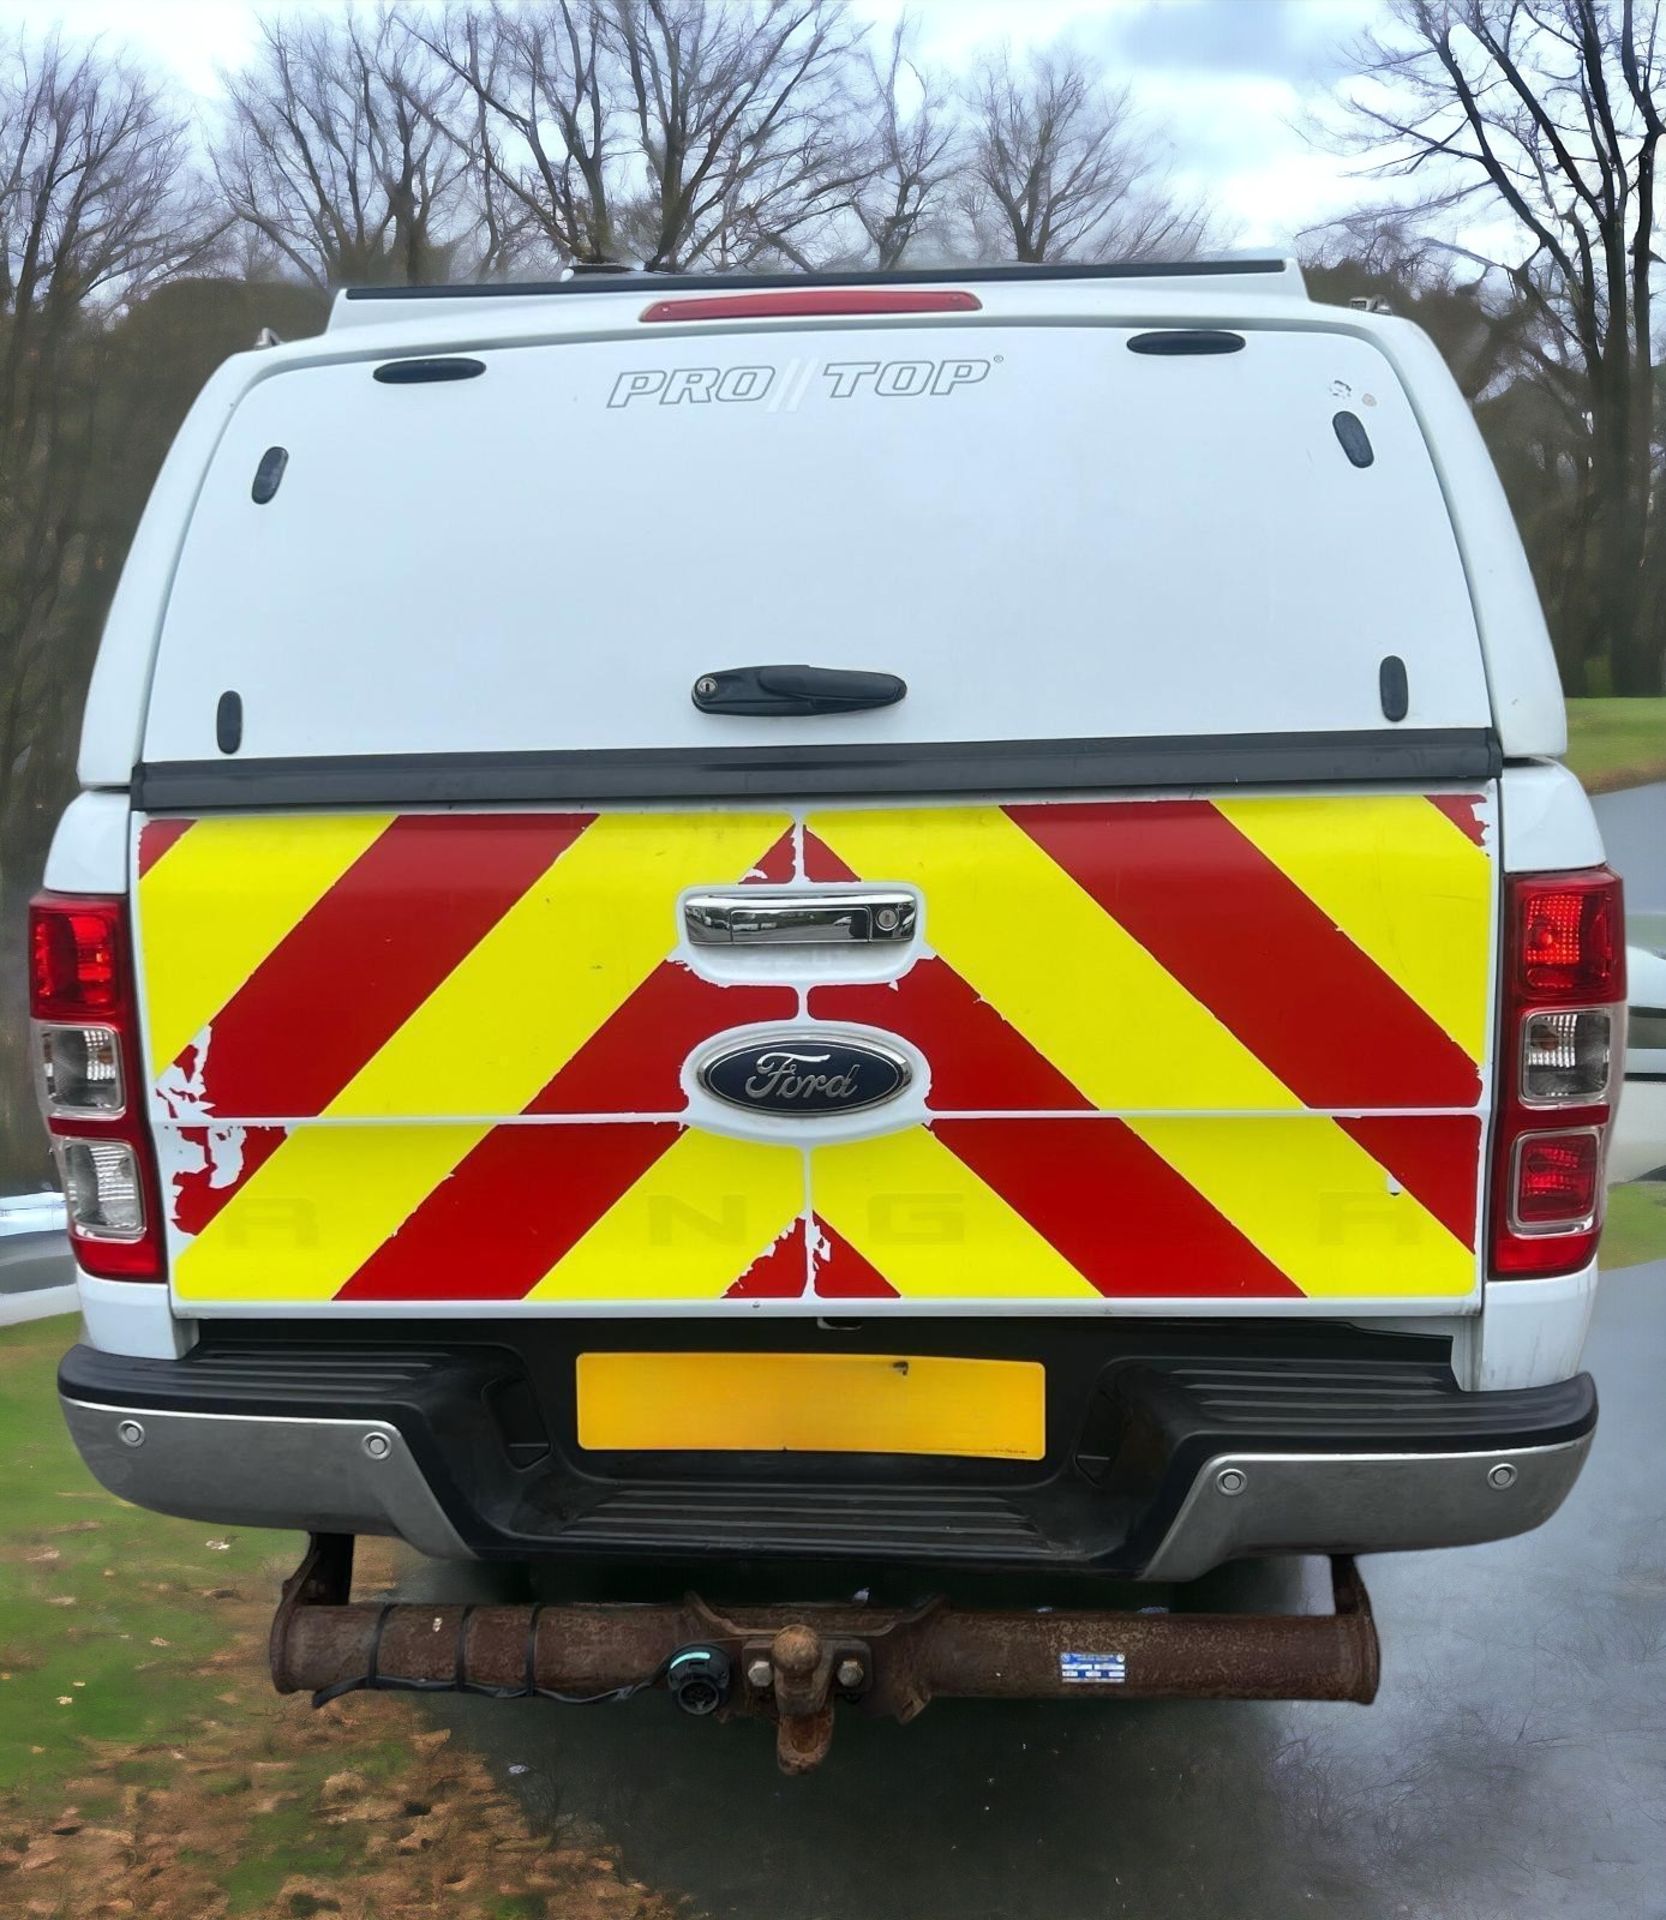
(1229, 82)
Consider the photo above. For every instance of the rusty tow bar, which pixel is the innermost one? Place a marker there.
(795, 1664)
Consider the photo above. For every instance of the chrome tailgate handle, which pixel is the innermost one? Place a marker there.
(811, 920)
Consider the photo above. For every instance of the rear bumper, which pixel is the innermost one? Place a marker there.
(1164, 1459)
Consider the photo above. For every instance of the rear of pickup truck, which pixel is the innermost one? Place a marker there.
(834, 934)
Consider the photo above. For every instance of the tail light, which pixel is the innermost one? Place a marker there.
(81, 994)
(1560, 1045)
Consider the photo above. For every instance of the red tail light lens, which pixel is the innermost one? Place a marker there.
(87, 1050)
(75, 966)
(1562, 1021)
(1558, 1180)
(1569, 937)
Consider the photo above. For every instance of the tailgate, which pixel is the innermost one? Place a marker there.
(1200, 1054)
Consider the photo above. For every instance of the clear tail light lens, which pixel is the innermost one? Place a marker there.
(103, 1188)
(1567, 1055)
(81, 1070)
(1563, 1023)
(86, 1052)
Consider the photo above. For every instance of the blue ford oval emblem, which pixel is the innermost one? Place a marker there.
(803, 1073)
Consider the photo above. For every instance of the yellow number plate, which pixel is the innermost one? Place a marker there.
(811, 1403)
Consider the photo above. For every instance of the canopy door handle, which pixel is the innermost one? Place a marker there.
(808, 920)
(795, 690)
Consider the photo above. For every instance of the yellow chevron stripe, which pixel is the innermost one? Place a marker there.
(1051, 961)
(921, 1216)
(1400, 880)
(315, 1212)
(689, 1228)
(229, 890)
(564, 958)
(1316, 1204)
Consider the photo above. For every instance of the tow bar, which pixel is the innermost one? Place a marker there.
(795, 1664)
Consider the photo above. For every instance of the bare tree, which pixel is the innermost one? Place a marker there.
(668, 131)
(539, 120)
(98, 202)
(336, 152)
(1061, 169)
(915, 150)
(1550, 112)
(739, 122)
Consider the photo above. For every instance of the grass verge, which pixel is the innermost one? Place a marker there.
(1635, 1229)
(146, 1767)
(1617, 743)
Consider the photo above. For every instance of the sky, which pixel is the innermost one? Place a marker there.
(1228, 83)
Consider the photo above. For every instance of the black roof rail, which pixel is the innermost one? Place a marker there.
(623, 282)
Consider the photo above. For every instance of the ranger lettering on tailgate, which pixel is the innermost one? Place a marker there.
(1170, 1047)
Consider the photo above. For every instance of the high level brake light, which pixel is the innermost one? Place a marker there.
(794, 304)
(1563, 1034)
(86, 1050)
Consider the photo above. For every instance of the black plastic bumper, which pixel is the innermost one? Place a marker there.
(1342, 1441)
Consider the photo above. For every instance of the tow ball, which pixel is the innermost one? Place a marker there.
(796, 1666)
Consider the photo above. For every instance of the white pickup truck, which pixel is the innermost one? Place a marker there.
(834, 925)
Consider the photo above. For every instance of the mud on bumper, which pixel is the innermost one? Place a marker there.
(1169, 1450)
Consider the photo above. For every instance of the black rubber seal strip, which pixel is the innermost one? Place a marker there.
(268, 475)
(624, 280)
(424, 373)
(743, 773)
(228, 722)
(1177, 341)
(1355, 441)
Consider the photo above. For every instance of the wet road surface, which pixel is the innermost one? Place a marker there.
(1513, 1767)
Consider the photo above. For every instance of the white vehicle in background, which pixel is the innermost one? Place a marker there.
(1638, 1147)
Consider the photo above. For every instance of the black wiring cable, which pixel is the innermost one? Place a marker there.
(373, 1680)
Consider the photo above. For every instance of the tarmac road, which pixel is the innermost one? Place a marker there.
(1513, 1767)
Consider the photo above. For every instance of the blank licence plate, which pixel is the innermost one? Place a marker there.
(811, 1403)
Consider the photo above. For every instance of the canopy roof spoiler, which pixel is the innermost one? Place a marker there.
(1260, 274)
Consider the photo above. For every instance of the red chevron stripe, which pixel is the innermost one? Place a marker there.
(1246, 941)
(977, 1059)
(632, 1061)
(780, 1274)
(1117, 1211)
(822, 864)
(1434, 1156)
(1464, 811)
(155, 838)
(195, 1199)
(844, 1274)
(524, 1197)
(353, 969)
(776, 867)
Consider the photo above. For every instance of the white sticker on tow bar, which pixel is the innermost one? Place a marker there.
(1090, 1669)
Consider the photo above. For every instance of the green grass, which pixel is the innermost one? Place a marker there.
(143, 1751)
(1617, 743)
(1636, 1225)
(102, 1606)
(113, 1668)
